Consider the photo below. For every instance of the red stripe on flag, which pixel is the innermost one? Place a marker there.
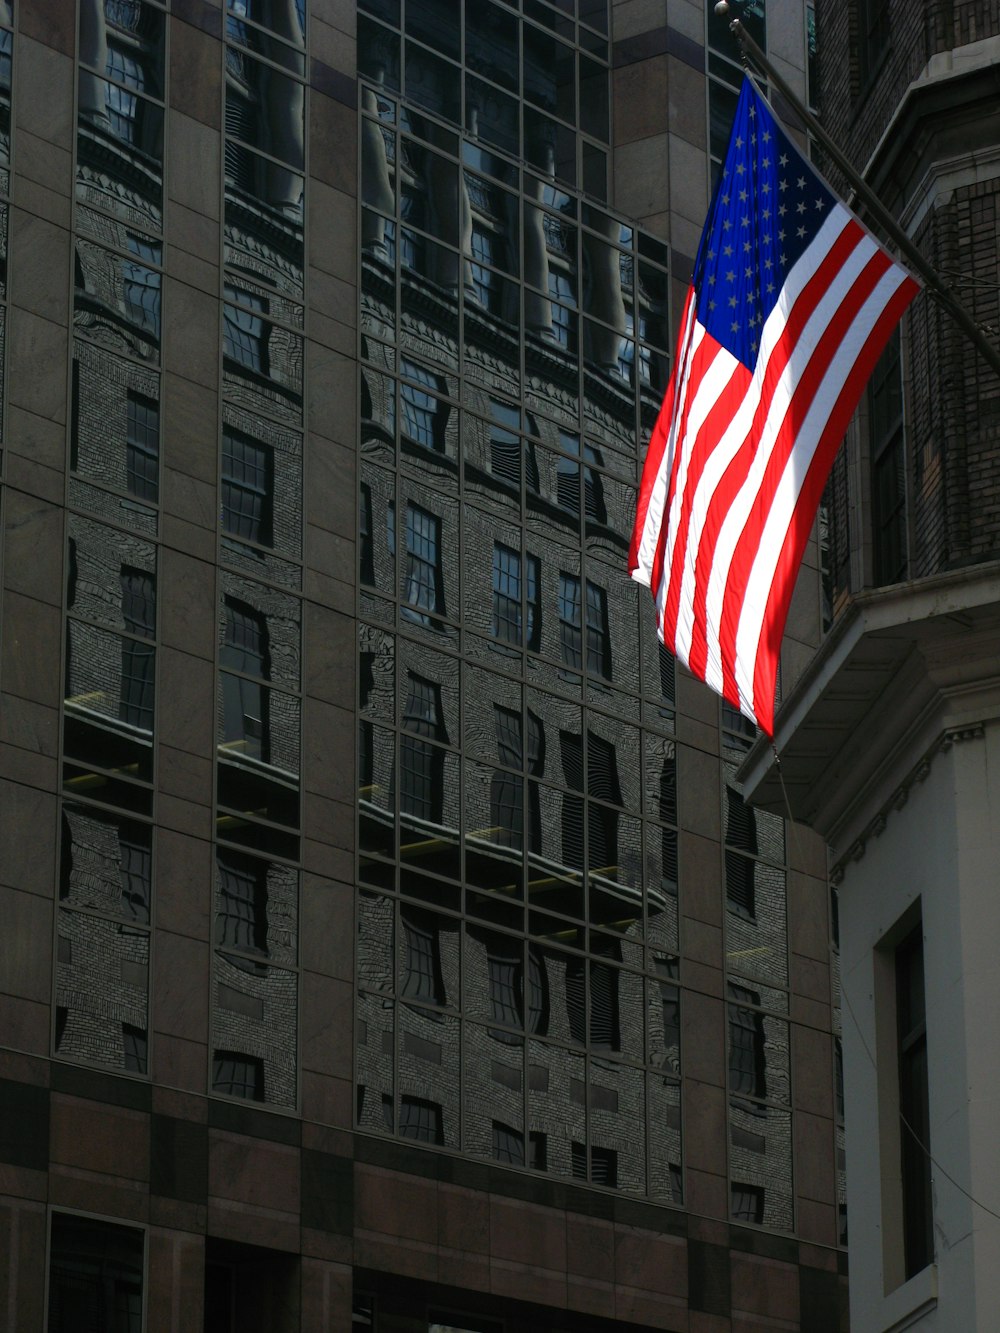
(735, 475)
(793, 547)
(805, 391)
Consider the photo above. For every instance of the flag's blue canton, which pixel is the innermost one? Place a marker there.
(768, 205)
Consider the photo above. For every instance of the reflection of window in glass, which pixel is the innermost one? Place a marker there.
(366, 731)
(483, 277)
(245, 648)
(604, 1031)
(505, 988)
(421, 764)
(671, 1014)
(120, 104)
(423, 979)
(142, 285)
(634, 358)
(603, 1165)
(602, 782)
(747, 1064)
(135, 1047)
(570, 634)
(243, 338)
(668, 672)
(135, 869)
(238, 1075)
(668, 814)
(507, 609)
(598, 635)
(247, 487)
(424, 588)
(507, 788)
(142, 444)
(423, 416)
(741, 833)
(367, 556)
(746, 1203)
(508, 1144)
(95, 1275)
(138, 591)
(245, 645)
(568, 473)
(507, 448)
(570, 629)
(241, 915)
(420, 1119)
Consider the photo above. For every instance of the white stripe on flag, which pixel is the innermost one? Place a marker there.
(782, 399)
(786, 497)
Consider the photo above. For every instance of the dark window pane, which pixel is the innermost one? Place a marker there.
(420, 1119)
(95, 1276)
(238, 1075)
(247, 487)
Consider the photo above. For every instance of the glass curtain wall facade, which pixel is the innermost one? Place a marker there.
(517, 986)
(518, 971)
(375, 886)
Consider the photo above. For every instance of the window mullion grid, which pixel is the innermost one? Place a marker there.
(254, 441)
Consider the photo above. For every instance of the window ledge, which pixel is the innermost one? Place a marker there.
(901, 1308)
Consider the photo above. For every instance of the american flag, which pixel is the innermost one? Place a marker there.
(791, 303)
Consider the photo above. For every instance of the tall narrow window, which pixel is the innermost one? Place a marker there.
(365, 537)
(598, 640)
(598, 633)
(142, 285)
(135, 871)
(421, 763)
(914, 1130)
(424, 589)
(245, 648)
(506, 593)
(142, 443)
(243, 329)
(888, 466)
(747, 1064)
(241, 909)
(507, 788)
(423, 979)
(741, 833)
(138, 658)
(423, 415)
(570, 634)
(247, 487)
(601, 821)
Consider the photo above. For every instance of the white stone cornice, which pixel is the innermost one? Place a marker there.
(919, 773)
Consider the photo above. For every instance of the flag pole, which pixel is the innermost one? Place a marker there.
(935, 283)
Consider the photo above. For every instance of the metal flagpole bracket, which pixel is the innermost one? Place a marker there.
(864, 194)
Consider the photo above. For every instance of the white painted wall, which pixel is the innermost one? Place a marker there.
(941, 847)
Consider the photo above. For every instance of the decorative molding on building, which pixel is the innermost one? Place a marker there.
(918, 774)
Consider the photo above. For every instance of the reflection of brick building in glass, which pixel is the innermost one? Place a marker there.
(399, 947)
